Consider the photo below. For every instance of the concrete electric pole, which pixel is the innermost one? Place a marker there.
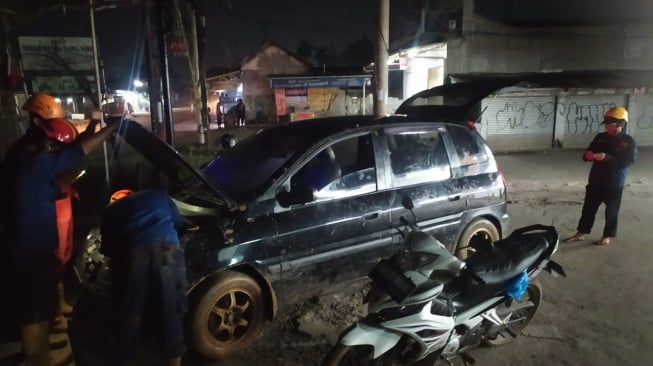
(381, 62)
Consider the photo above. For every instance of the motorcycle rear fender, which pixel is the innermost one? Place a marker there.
(365, 334)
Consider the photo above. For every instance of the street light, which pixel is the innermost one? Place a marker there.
(138, 83)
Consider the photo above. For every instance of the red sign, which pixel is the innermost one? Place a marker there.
(296, 92)
(280, 100)
(176, 47)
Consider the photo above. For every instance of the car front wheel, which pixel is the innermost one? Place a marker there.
(227, 315)
(477, 230)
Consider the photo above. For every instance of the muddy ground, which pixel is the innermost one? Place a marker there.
(599, 315)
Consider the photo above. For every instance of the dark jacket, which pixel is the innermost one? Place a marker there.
(621, 152)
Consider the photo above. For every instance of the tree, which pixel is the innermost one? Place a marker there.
(305, 50)
(359, 53)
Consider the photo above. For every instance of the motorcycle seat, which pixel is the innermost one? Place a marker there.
(507, 258)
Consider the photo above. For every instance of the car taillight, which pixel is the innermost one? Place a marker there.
(505, 184)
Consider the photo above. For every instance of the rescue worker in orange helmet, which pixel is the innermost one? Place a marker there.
(140, 236)
(611, 153)
(31, 167)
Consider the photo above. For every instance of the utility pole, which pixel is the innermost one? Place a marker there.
(154, 84)
(381, 62)
(193, 65)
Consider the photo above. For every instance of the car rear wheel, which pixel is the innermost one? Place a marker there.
(227, 316)
(477, 231)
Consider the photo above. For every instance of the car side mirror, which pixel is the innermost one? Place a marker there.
(300, 193)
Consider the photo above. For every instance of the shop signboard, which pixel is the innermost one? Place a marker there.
(56, 53)
(63, 84)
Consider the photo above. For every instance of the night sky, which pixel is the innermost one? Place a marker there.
(235, 29)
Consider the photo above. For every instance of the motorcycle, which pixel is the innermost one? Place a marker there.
(426, 306)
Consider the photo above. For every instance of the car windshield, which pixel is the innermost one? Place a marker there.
(246, 167)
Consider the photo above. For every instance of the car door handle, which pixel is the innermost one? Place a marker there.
(372, 216)
(454, 198)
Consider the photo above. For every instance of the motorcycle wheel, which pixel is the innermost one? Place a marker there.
(341, 355)
(519, 318)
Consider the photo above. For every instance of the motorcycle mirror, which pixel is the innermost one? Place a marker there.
(407, 202)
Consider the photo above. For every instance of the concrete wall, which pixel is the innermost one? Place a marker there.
(487, 46)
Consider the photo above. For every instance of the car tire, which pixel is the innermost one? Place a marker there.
(227, 315)
(479, 229)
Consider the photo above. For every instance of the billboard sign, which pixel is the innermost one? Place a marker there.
(62, 84)
(56, 53)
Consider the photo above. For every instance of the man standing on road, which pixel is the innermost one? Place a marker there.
(30, 171)
(147, 265)
(240, 112)
(611, 153)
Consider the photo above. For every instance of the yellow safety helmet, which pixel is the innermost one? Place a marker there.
(120, 194)
(43, 105)
(619, 113)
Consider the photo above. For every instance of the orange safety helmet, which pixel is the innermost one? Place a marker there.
(120, 194)
(59, 129)
(619, 113)
(44, 106)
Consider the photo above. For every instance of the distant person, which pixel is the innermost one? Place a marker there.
(218, 114)
(49, 148)
(611, 153)
(240, 112)
(140, 236)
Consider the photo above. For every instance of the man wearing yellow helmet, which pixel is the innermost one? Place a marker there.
(611, 153)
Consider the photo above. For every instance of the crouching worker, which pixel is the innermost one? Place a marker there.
(139, 235)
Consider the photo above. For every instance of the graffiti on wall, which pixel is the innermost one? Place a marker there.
(645, 121)
(523, 114)
(578, 118)
(583, 118)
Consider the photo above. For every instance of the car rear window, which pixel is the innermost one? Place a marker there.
(417, 157)
(468, 149)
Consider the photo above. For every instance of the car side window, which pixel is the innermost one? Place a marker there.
(468, 150)
(343, 169)
(417, 157)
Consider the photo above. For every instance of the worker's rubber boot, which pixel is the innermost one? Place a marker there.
(60, 324)
(57, 341)
(175, 361)
(36, 348)
(61, 357)
(65, 309)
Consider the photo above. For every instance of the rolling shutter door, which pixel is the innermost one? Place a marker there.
(518, 123)
(640, 124)
(581, 117)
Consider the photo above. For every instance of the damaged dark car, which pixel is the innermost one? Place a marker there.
(306, 208)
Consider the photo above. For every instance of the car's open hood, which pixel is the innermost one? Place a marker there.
(180, 173)
(452, 102)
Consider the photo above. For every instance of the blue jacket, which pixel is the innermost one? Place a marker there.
(621, 152)
(29, 193)
(141, 218)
